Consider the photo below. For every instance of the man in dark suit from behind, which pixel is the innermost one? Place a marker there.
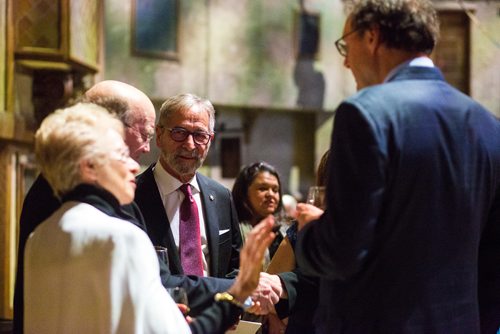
(413, 187)
(184, 132)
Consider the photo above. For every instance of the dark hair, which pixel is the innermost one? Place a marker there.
(410, 25)
(240, 189)
(322, 171)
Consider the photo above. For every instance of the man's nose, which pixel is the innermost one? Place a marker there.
(189, 141)
(133, 165)
(146, 147)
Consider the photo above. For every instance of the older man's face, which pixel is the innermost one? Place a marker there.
(182, 159)
(359, 59)
(140, 131)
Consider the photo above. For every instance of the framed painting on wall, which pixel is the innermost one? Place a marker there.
(155, 28)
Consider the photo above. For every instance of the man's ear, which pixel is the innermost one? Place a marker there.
(373, 38)
(88, 171)
(159, 130)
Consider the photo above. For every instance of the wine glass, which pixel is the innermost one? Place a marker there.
(316, 196)
(162, 253)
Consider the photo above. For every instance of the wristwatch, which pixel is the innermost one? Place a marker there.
(227, 297)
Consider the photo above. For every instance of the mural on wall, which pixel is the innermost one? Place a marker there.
(307, 30)
(154, 28)
(84, 32)
(310, 82)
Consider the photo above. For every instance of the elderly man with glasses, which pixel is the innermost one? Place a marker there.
(210, 245)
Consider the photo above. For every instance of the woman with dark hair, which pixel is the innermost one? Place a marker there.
(257, 194)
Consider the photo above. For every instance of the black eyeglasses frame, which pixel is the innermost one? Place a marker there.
(341, 45)
(186, 133)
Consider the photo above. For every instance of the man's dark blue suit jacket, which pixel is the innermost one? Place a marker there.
(413, 183)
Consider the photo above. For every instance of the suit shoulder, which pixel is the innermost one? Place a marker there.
(146, 185)
(145, 175)
(212, 184)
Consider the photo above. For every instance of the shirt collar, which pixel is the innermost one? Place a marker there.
(419, 61)
(167, 184)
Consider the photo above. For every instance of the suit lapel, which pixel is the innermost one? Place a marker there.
(149, 198)
(208, 199)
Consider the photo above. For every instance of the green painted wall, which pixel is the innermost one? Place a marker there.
(233, 52)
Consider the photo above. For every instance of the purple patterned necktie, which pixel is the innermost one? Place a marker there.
(189, 233)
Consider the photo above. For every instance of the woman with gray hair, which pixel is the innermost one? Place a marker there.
(87, 269)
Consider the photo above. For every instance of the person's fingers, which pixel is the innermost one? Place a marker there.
(184, 308)
(254, 309)
(251, 255)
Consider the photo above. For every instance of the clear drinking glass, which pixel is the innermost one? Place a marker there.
(316, 196)
(162, 253)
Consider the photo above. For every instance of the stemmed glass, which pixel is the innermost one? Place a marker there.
(316, 196)
(162, 254)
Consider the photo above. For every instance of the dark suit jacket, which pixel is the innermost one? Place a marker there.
(414, 177)
(219, 214)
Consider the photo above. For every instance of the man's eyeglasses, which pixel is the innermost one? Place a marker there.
(341, 45)
(180, 134)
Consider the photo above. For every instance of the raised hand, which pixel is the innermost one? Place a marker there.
(251, 256)
(307, 213)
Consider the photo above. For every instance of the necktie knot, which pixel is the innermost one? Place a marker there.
(186, 190)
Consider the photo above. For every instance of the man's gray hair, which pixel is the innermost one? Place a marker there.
(180, 102)
(410, 25)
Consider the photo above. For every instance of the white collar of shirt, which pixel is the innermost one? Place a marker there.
(168, 184)
(419, 61)
(172, 198)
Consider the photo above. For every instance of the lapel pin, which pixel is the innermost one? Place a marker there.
(211, 197)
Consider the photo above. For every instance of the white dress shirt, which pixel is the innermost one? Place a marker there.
(172, 198)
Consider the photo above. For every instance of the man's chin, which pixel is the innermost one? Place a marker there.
(186, 169)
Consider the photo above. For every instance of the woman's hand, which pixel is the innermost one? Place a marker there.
(307, 213)
(251, 256)
(185, 309)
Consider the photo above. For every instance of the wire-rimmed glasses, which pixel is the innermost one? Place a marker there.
(341, 45)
